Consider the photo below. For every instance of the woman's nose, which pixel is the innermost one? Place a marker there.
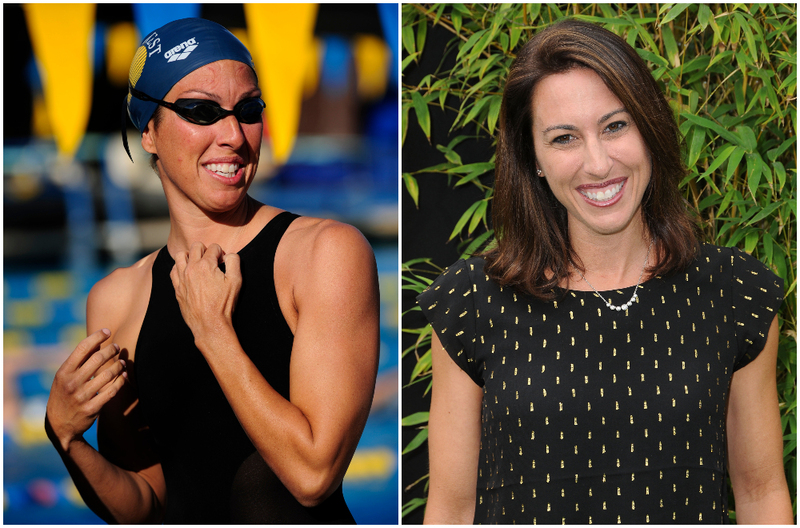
(597, 161)
(229, 132)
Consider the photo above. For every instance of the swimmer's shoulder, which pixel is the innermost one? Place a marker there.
(119, 295)
(322, 241)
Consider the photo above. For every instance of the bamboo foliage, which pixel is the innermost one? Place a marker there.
(729, 72)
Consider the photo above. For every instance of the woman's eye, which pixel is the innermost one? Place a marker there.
(617, 126)
(563, 140)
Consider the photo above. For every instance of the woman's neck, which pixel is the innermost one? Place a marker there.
(227, 229)
(612, 261)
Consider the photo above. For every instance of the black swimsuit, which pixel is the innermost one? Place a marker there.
(213, 472)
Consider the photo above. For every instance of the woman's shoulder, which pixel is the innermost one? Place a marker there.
(324, 242)
(745, 274)
(732, 258)
(113, 296)
(319, 256)
(463, 274)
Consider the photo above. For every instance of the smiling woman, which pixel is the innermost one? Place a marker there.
(598, 364)
(232, 371)
(601, 161)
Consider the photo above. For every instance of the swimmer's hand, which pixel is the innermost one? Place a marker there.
(88, 379)
(206, 294)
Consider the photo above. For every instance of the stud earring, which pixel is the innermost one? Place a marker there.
(538, 172)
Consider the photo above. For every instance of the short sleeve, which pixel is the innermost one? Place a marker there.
(757, 294)
(449, 307)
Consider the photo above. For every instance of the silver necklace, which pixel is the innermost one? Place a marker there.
(635, 296)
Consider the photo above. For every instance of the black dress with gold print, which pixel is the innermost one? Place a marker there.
(598, 416)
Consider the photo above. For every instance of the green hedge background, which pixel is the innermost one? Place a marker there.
(730, 74)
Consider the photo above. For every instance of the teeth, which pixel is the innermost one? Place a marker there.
(226, 170)
(603, 196)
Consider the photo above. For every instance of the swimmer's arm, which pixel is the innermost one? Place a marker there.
(125, 484)
(755, 441)
(309, 440)
(454, 430)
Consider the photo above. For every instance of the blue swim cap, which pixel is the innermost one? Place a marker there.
(173, 51)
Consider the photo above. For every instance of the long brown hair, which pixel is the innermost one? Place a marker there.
(530, 223)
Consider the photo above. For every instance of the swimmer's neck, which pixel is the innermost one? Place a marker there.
(230, 229)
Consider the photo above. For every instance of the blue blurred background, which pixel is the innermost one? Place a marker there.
(67, 224)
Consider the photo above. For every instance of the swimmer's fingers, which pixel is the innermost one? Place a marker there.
(83, 351)
(73, 403)
(197, 251)
(232, 265)
(105, 385)
(181, 261)
(94, 363)
(214, 255)
(233, 272)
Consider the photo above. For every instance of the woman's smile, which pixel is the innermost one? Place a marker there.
(605, 194)
(227, 172)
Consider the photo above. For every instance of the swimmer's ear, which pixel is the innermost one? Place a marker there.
(148, 141)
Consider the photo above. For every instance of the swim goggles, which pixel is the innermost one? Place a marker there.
(201, 111)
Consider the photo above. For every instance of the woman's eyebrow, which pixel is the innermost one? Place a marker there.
(255, 92)
(603, 119)
(610, 115)
(559, 127)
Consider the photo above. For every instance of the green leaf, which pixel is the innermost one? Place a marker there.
(748, 139)
(696, 146)
(780, 172)
(413, 504)
(765, 212)
(408, 60)
(412, 187)
(476, 243)
(423, 115)
(439, 12)
(450, 155)
(480, 46)
(734, 162)
(703, 16)
(751, 241)
(719, 158)
(423, 365)
(515, 32)
(463, 220)
(483, 167)
(416, 441)
(408, 39)
(674, 13)
(724, 56)
(748, 36)
(478, 216)
(670, 46)
(726, 200)
(494, 112)
(711, 125)
(422, 31)
(776, 153)
(652, 57)
(467, 47)
(790, 81)
(415, 419)
(404, 124)
(477, 109)
(753, 174)
(766, 242)
(455, 16)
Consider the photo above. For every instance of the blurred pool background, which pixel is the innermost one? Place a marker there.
(67, 224)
